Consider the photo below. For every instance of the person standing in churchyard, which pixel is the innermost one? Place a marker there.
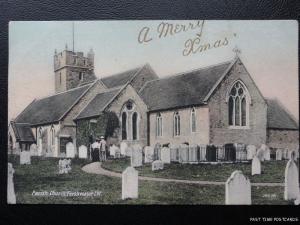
(95, 150)
(102, 149)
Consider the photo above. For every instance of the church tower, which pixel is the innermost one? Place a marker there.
(73, 69)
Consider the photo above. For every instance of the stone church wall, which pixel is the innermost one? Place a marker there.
(278, 138)
(201, 136)
(220, 132)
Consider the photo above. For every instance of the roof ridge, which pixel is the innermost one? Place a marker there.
(185, 72)
(123, 71)
(63, 92)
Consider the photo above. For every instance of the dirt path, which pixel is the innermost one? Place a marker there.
(96, 168)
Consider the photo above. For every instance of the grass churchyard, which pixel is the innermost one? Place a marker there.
(40, 183)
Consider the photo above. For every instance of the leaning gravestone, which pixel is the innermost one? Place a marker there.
(165, 155)
(251, 151)
(291, 181)
(11, 196)
(256, 166)
(33, 150)
(130, 183)
(157, 165)
(123, 147)
(237, 189)
(82, 152)
(137, 156)
(25, 158)
(278, 154)
(149, 152)
(70, 150)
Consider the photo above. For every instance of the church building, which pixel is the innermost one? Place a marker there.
(217, 104)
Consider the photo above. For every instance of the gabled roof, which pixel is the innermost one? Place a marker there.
(22, 132)
(279, 117)
(51, 109)
(98, 103)
(120, 79)
(185, 89)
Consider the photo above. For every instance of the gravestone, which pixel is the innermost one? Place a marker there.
(157, 165)
(251, 152)
(137, 156)
(157, 149)
(113, 151)
(193, 149)
(278, 154)
(202, 152)
(260, 155)
(130, 183)
(25, 158)
(123, 147)
(266, 151)
(82, 152)
(149, 154)
(291, 181)
(128, 151)
(237, 189)
(64, 166)
(165, 155)
(33, 150)
(256, 166)
(174, 152)
(11, 196)
(183, 153)
(70, 150)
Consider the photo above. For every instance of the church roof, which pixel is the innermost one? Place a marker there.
(22, 132)
(97, 104)
(120, 79)
(279, 117)
(185, 89)
(52, 108)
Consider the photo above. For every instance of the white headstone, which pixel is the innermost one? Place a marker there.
(128, 151)
(25, 158)
(291, 181)
(33, 150)
(82, 152)
(64, 166)
(137, 156)
(70, 150)
(278, 154)
(123, 147)
(157, 151)
(260, 155)
(251, 151)
(157, 165)
(174, 151)
(237, 189)
(202, 152)
(149, 152)
(130, 183)
(165, 155)
(266, 151)
(114, 150)
(193, 153)
(11, 196)
(183, 153)
(256, 166)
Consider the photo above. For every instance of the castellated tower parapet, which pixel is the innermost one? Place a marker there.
(73, 69)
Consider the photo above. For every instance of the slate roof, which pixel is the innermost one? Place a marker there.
(278, 117)
(97, 104)
(52, 108)
(22, 132)
(189, 88)
(119, 79)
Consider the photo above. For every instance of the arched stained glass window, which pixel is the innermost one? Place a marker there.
(238, 105)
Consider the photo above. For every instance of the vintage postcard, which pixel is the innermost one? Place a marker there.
(153, 112)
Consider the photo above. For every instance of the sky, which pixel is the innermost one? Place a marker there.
(268, 48)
